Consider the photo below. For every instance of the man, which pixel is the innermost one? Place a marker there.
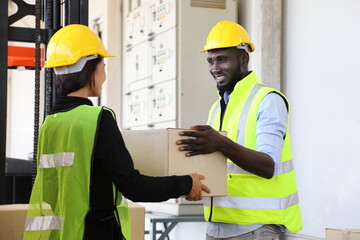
(262, 195)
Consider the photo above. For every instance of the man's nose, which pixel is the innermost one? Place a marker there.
(215, 68)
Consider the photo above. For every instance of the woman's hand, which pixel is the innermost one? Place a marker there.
(197, 188)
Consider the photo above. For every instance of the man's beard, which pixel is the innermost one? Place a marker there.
(236, 77)
(229, 87)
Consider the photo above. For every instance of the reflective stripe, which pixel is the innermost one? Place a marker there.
(56, 160)
(44, 223)
(284, 167)
(253, 202)
(216, 109)
(244, 114)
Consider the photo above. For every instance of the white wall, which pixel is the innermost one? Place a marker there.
(321, 79)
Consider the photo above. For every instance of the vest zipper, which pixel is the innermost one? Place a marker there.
(222, 113)
(211, 209)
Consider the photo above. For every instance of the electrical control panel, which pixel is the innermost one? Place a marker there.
(162, 15)
(137, 112)
(164, 56)
(163, 102)
(163, 71)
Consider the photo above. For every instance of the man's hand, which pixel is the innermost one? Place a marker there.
(203, 140)
(197, 188)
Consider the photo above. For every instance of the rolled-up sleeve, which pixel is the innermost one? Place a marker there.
(271, 127)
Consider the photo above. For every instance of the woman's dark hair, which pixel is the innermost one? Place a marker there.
(71, 82)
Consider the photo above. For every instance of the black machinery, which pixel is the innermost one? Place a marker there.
(16, 174)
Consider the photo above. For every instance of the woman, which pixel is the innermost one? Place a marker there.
(84, 167)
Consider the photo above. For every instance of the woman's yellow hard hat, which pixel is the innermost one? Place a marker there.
(71, 43)
(227, 34)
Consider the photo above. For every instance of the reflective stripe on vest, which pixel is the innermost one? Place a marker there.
(215, 111)
(44, 223)
(62, 159)
(255, 202)
(244, 114)
(284, 167)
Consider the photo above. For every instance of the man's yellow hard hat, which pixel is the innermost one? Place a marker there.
(71, 43)
(227, 34)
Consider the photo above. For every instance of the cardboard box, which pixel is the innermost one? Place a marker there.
(137, 221)
(155, 153)
(12, 221)
(342, 234)
(13, 216)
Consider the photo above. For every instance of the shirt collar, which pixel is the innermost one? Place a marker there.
(226, 97)
(65, 103)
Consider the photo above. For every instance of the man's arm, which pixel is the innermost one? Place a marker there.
(206, 140)
(271, 128)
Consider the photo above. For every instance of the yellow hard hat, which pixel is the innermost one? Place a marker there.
(227, 34)
(71, 43)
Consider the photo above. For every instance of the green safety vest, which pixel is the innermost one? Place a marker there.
(60, 197)
(252, 199)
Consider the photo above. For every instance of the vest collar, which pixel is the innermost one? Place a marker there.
(246, 82)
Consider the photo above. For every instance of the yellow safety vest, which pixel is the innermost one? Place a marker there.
(60, 197)
(252, 199)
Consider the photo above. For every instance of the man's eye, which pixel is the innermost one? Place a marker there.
(210, 61)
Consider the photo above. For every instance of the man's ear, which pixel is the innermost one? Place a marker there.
(244, 58)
